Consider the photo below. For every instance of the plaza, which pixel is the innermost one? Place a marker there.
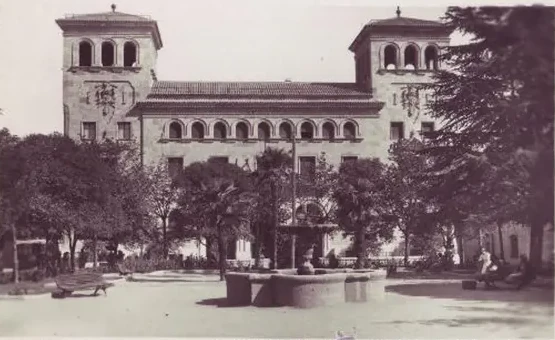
(194, 306)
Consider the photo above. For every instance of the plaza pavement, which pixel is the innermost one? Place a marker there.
(190, 306)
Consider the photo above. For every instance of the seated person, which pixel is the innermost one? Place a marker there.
(523, 275)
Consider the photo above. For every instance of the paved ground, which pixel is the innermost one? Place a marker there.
(403, 309)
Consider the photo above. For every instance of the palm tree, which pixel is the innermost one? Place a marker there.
(273, 170)
(218, 198)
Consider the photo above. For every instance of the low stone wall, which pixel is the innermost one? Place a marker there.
(307, 291)
(261, 290)
(357, 287)
(238, 286)
(284, 288)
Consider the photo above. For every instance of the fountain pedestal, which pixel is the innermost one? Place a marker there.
(306, 268)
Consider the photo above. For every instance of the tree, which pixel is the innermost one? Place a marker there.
(271, 182)
(360, 195)
(217, 198)
(407, 207)
(9, 195)
(496, 103)
(162, 196)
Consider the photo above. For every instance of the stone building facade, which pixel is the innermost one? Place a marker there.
(111, 91)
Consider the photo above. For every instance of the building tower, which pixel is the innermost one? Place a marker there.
(108, 65)
(392, 57)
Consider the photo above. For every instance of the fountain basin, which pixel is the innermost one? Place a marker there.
(285, 288)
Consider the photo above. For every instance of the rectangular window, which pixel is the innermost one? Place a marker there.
(426, 128)
(345, 159)
(307, 167)
(397, 131)
(89, 131)
(124, 130)
(175, 165)
(219, 159)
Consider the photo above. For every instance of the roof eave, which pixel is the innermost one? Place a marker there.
(69, 24)
(183, 106)
(445, 30)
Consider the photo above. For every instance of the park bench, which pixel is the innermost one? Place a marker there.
(85, 280)
(499, 276)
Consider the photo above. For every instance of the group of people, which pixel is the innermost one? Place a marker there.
(492, 269)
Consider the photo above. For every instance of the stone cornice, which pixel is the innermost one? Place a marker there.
(99, 69)
(249, 107)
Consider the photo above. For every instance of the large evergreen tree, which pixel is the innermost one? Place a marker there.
(495, 99)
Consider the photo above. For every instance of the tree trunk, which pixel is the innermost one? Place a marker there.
(72, 246)
(164, 238)
(274, 228)
(536, 244)
(360, 242)
(15, 256)
(501, 249)
(95, 251)
(221, 252)
(459, 241)
(406, 258)
(257, 246)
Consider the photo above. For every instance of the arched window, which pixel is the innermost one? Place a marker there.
(85, 53)
(349, 130)
(285, 131)
(175, 131)
(129, 54)
(108, 54)
(411, 57)
(220, 131)
(431, 58)
(241, 131)
(328, 131)
(514, 246)
(314, 213)
(197, 130)
(390, 57)
(263, 131)
(307, 131)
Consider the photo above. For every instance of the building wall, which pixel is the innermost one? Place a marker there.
(81, 84)
(490, 240)
(157, 147)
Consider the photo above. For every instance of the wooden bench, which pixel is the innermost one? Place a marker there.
(67, 284)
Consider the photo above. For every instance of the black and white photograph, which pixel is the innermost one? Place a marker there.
(277, 169)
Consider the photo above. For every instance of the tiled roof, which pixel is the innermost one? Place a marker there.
(166, 96)
(169, 89)
(405, 22)
(402, 24)
(113, 18)
(107, 16)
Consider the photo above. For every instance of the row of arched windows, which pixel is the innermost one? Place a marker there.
(242, 131)
(108, 53)
(410, 58)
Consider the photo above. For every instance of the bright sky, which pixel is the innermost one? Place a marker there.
(234, 40)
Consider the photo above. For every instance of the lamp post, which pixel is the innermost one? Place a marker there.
(293, 198)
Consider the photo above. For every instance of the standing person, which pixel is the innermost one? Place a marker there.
(485, 260)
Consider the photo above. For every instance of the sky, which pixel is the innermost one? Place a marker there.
(210, 40)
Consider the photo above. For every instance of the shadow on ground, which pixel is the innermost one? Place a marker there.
(455, 291)
(471, 321)
(160, 280)
(218, 302)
